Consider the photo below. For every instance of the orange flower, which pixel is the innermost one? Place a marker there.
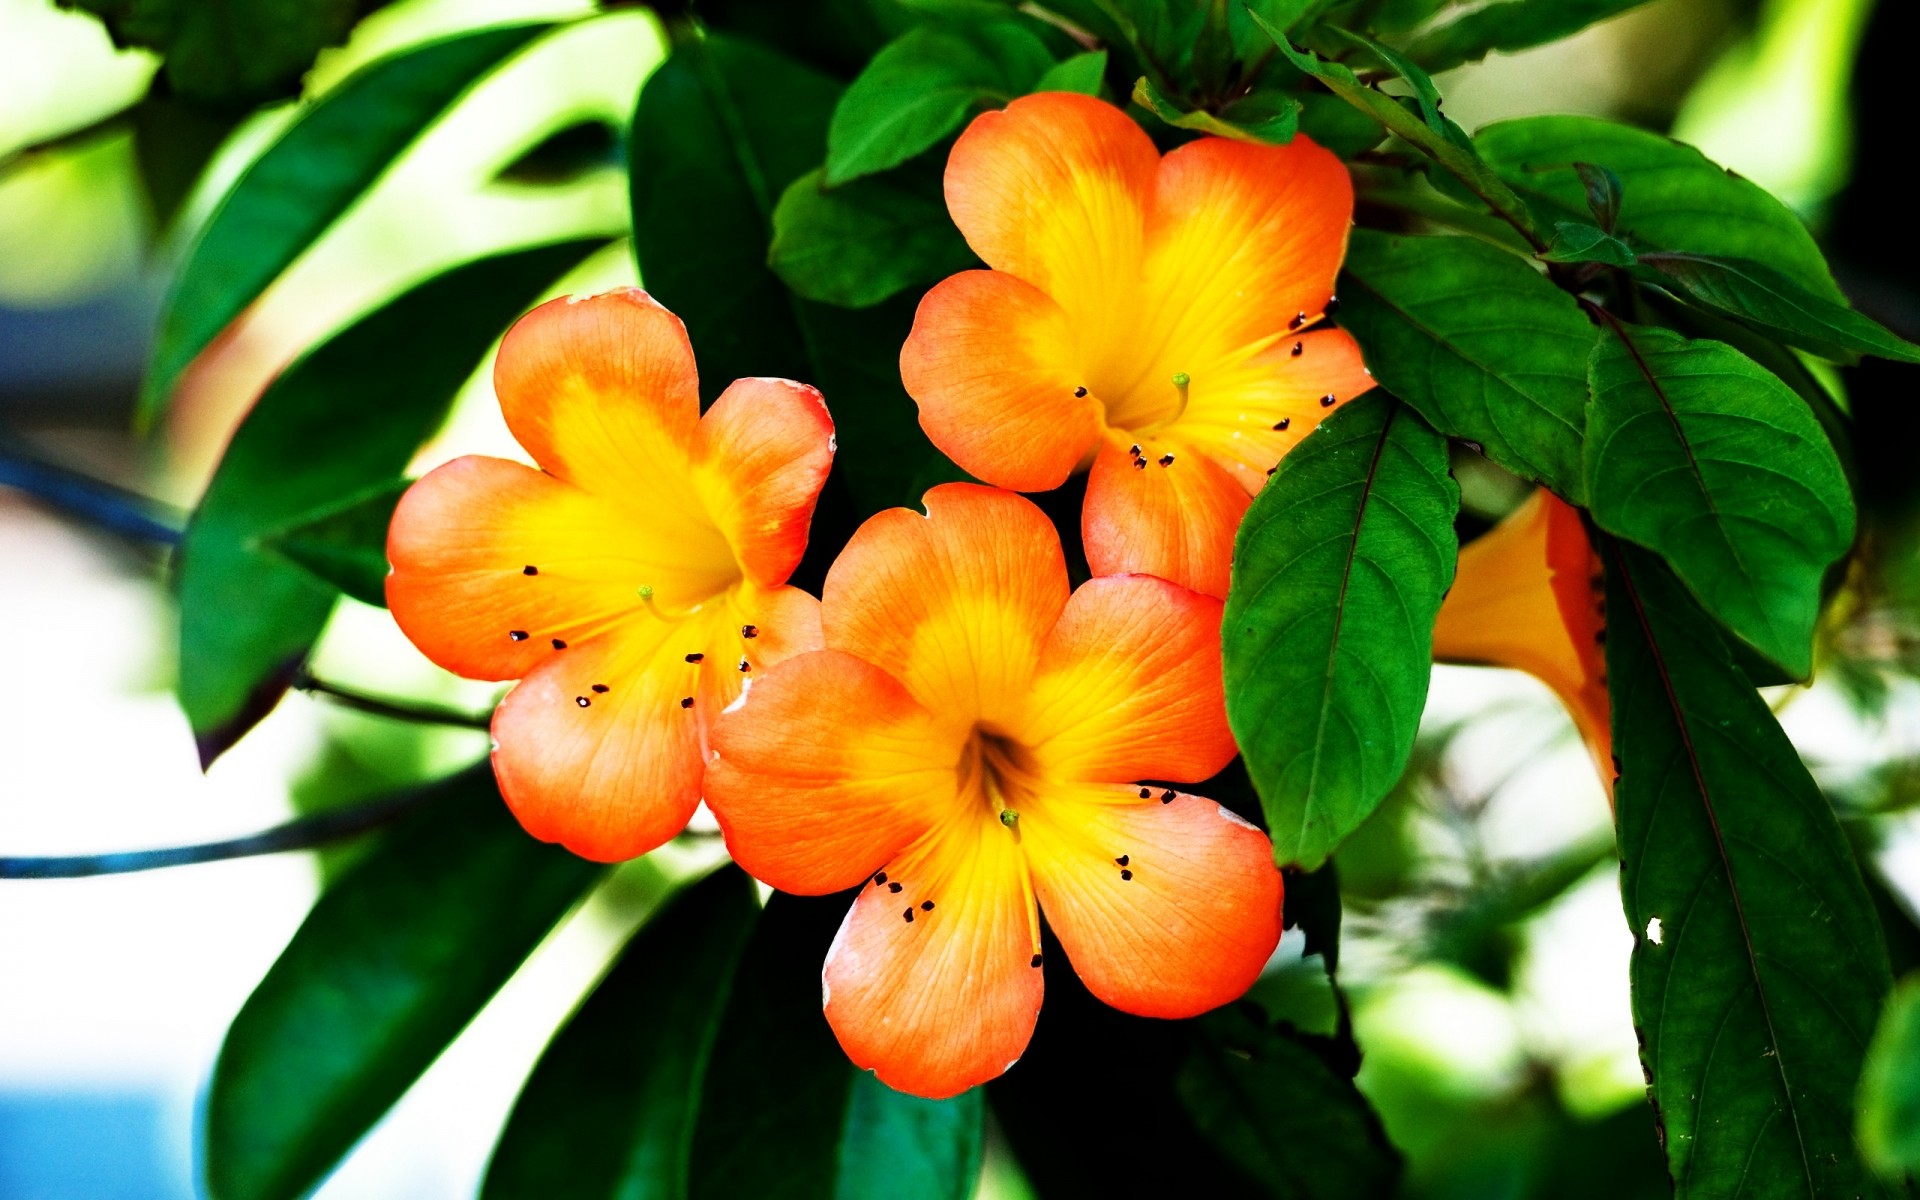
(632, 584)
(1528, 594)
(1147, 314)
(970, 743)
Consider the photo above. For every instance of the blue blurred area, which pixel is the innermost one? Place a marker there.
(81, 1145)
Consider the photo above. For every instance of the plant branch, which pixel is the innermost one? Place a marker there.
(379, 706)
(101, 504)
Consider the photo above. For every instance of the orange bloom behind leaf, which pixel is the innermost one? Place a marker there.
(1150, 315)
(969, 748)
(632, 584)
(1528, 594)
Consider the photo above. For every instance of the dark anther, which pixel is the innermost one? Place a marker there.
(745, 666)
(1271, 470)
(926, 906)
(600, 687)
(1145, 792)
(879, 879)
(529, 569)
(1079, 393)
(518, 635)
(1134, 449)
(1297, 322)
(1299, 348)
(1167, 796)
(908, 915)
(1166, 460)
(1280, 426)
(1333, 302)
(583, 702)
(694, 658)
(1126, 874)
(893, 887)
(749, 631)
(1035, 962)
(686, 702)
(1122, 860)
(558, 644)
(1139, 464)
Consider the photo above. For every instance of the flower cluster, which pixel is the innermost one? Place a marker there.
(950, 728)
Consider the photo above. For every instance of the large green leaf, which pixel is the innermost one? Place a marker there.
(1509, 26)
(1758, 965)
(345, 545)
(1244, 1083)
(233, 54)
(390, 965)
(1699, 453)
(1757, 294)
(859, 243)
(342, 420)
(1338, 573)
(785, 1116)
(324, 161)
(609, 1109)
(1672, 197)
(1890, 1086)
(922, 86)
(1482, 344)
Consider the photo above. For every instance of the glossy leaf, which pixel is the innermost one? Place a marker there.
(398, 955)
(1700, 454)
(1082, 73)
(345, 546)
(345, 419)
(1890, 1086)
(785, 1116)
(1672, 197)
(1244, 1083)
(1757, 963)
(1338, 572)
(234, 54)
(1482, 344)
(1261, 117)
(609, 1108)
(1757, 294)
(857, 244)
(311, 174)
(1508, 26)
(922, 86)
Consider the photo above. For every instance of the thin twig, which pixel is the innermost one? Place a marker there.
(380, 706)
(101, 504)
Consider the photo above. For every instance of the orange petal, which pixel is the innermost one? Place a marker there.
(493, 560)
(1527, 595)
(763, 452)
(825, 770)
(1174, 516)
(991, 363)
(1247, 417)
(1129, 686)
(601, 390)
(955, 604)
(936, 987)
(1166, 909)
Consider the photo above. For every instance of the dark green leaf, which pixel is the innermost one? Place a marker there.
(1482, 344)
(1082, 73)
(1338, 573)
(345, 545)
(785, 1116)
(235, 54)
(1604, 191)
(1890, 1086)
(390, 965)
(834, 36)
(859, 243)
(1672, 197)
(1245, 1084)
(173, 141)
(609, 1109)
(1313, 907)
(1699, 453)
(1757, 962)
(1761, 296)
(922, 86)
(1509, 26)
(566, 155)
(1577, 241)
(342, 420)
(316, 169)
(1273, 120)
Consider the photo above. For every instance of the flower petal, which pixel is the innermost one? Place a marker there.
(741, 635)
(763, 452)
(492, 560)
(1174, 516)
(955, 604)
(1129, 686)
(825, 770)
(1166, 909)
(991, 363)
(936, 987)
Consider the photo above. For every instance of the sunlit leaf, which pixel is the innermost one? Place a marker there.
(1890, 1086)
(1508, 26)
(237, 53)
(1082, 73)
(1338, 573)
(859, 243)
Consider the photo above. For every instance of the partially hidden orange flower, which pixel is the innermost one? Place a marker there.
(1528, 594)
(1151, 316)
(633, 583)
(971, 744)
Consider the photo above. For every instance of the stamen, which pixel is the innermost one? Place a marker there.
(1035, 962)
(686, 702)
(694, 658)
(1167, 796)
(529, 569)
(1299, 348)
(1299, 320)
(1333, 306)
(879, 878)
(1079, 393)
(1126, 874)
(1166, 460)
(601, 688)
(749, 631)
(1134, 450)
(1009, 818)
(1146, 793)
(1139, 464)
(1280, 426)
(558, 644)
(893, 887)
(518, 635)
(1122, 860)
(1180, 382)
(583, 702)
(1328, 400)
(926, 906)
(745, 666)
(908, 915)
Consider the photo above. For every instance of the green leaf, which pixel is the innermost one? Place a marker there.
(1577, 241)
(1506, 27)
(173, 141)
(566, 156)
(1757, 963)
(1482, 344)
(1338, 572)
(391, 964)
(922, 86)
(1672, 197)
(1243, 1081)
(1890, 1086)
(344, 420)
(1763, 297)
(1082, 73)
(784, 1114)
(859, 243)
(345, 545)
(1273, 120)
(609, 1109)
(1697, 452)
(324, 161)
(1604, 192)
(234, 54)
